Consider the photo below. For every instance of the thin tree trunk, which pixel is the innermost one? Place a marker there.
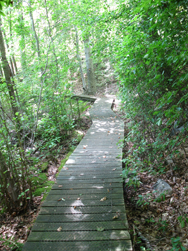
(79, 60)
(1, 72)
(10, 87)
(22, 44)
(34, 30)
(7, 179)
(41, 69)
(53, 47)
(15, 65)
(90, 71)
(12, 67)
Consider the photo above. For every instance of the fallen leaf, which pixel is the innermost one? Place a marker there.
(84, 146)
(60, 186)
(114, 169)
(61, 199)
(59, 229)
(100, 229)
(78, 198)
(108, 190)
(74, 207)
(103, 199)
(115, 217)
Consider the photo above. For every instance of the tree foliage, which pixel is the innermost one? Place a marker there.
(151, 62)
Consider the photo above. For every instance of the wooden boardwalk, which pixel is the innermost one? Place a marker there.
(85, 208)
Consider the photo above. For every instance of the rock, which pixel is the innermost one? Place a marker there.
(161, 187)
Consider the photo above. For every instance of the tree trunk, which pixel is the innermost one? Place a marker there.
(11, 192)
(53, 47)
(79, 60)
(90, 71)
(34, 30)
(10, 87)
(15, 65)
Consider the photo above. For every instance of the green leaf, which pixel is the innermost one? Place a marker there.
(100, 229)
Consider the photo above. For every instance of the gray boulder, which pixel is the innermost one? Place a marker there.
(161, 187)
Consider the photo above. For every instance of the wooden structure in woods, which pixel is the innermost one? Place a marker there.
(84, 98)
(85, 209)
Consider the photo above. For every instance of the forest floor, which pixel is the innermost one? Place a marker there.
(154, 226)
(159, 225)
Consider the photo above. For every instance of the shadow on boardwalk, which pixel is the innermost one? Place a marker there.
(85, 208)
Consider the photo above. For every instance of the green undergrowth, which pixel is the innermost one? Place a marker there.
(64, 161)
(40, 183)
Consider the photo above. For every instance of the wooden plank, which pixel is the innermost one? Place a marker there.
(72, 191)
(85, 226)
(104, 151)
(94, 180)
(81, 172)
(94, 165)
(90, 161)
(115, 245)
(83, 197)
(82, 210)
(80, 236)
(88, 157)
(90, 177)
(80, 217)
(83, 202)
(87, 186)
(83, 97)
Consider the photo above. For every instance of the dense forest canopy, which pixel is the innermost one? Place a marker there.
(48, 46)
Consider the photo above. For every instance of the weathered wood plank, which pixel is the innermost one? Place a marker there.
(83, 197)
(115, 245)
(89, 177)
(94, 180)
(82, 210)
(90, 161)
(97, 166)
(80, 217)
(85, 226)
(82, 172)
(87, 186)
(90, 191)
(80, 236)
(83, 97)
(82, 202)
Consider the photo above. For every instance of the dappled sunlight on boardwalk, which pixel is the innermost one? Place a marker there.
(85, 209)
